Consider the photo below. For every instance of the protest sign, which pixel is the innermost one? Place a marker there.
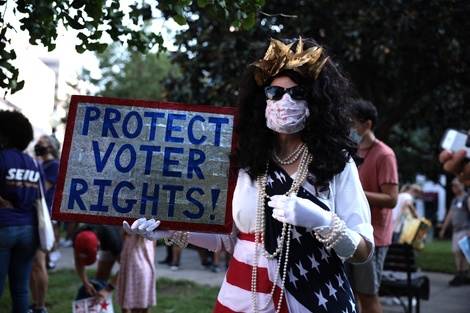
(125, 159)
(93, 305)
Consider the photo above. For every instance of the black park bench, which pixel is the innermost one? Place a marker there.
(401, 277)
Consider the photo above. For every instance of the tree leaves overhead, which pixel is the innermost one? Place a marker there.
(130, 74)
(410, 58)
(95, 18)
(7, 69)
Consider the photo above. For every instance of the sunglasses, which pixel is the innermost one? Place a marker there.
(276, 92)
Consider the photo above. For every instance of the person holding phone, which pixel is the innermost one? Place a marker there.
(457, 162)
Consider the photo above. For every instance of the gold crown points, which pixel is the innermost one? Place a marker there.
(279, 57)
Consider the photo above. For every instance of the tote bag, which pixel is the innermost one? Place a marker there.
(413, 231)
(45, 228)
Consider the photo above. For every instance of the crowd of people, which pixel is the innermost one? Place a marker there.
(315, 207)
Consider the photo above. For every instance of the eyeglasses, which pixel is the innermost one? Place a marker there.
(276, 92)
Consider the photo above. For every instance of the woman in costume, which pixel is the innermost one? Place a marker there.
(299, 210)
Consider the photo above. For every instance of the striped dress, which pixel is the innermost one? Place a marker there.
(316, 280)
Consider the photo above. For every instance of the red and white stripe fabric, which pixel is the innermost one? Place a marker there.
(235, 294)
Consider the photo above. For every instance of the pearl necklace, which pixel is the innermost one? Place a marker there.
(260, 228)
(291, 158)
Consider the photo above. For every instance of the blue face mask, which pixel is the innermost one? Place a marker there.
(355, 136)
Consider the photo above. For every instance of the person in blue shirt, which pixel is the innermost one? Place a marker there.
(19, 189)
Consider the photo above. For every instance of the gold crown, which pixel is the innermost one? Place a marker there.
(280, 57)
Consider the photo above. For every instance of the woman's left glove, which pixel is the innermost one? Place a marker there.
(147, 229)
(302, 212)
(299, 212)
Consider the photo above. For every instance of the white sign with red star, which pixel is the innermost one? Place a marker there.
(91, 305)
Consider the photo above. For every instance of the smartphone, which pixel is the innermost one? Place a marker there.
(454, 140)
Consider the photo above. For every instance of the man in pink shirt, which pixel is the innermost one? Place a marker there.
(379, 177)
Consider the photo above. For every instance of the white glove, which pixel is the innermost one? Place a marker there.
(208, 241)
(299, 212)
(146, 228)
(302, 212)
(347, 245)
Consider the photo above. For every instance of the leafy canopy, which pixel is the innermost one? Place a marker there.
(126, 73)
(95, 18)
(410, 58)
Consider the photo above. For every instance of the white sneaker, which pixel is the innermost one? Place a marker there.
(54, 256)
(389, 300)
(405, 301)
(174, 267)
(65, 243)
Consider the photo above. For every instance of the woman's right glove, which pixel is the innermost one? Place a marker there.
(147, 229)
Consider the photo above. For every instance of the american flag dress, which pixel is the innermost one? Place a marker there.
(316, 280)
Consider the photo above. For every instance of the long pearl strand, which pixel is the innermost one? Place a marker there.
(286, 231)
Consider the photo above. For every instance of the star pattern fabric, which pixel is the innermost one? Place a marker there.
(315, 277)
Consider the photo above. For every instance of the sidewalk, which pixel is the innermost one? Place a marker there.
(443, 298)
(190, 267)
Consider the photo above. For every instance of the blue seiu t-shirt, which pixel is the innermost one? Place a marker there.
(19, 183)
(51, 169)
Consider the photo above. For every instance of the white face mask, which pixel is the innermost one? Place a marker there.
(286, 116)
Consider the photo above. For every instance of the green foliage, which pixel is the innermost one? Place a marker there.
(410, 58)
(7, 70)
(130, 74)
(238, 12)
(95, 18)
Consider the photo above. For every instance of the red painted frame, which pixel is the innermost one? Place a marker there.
(112, 220)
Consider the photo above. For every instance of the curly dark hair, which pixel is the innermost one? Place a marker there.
(327, 129)
(15, 130)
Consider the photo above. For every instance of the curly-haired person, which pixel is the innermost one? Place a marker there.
(19, 188)
(299, 209)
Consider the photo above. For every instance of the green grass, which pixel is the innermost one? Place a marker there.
(172, 296)
(184, 296)
(188, 297)
(437, 257)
